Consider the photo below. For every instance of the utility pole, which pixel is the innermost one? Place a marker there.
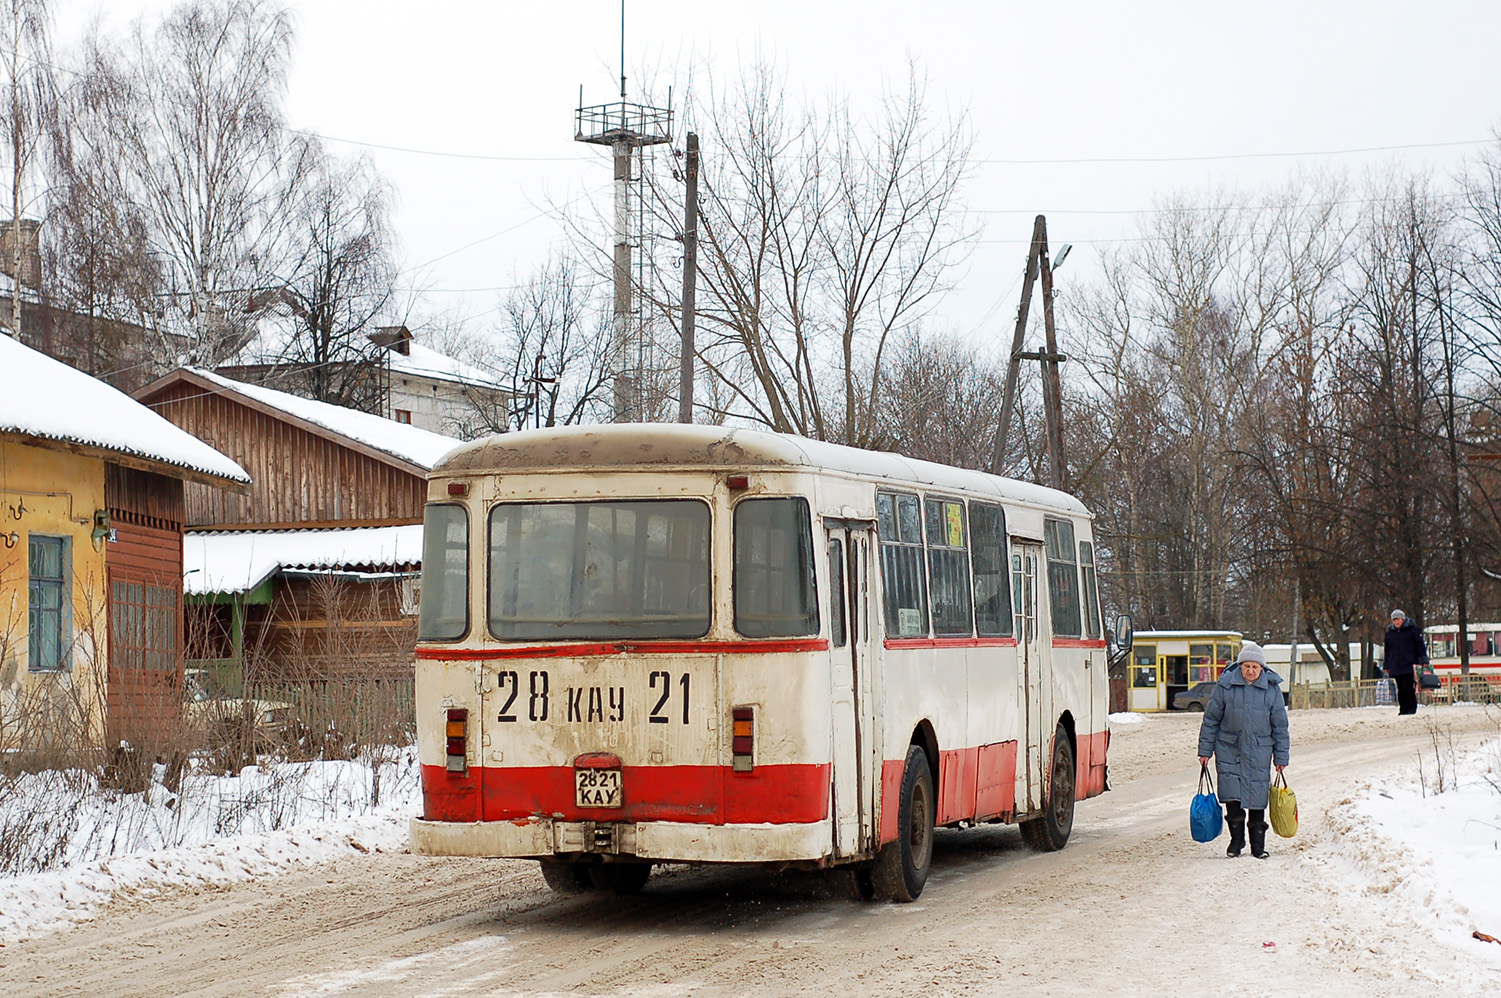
(1052, 384)
(690, 283)
(1008, 400)
(1038, 264)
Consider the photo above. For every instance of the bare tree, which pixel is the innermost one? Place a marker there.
(103, 282)
(193, 109)
(550, 353)
(821, 235)
(338, 280)
(26, 65)
(941, 400)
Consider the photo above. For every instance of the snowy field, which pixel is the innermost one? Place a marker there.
(99, 844)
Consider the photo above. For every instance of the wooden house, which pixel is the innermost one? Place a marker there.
(310, 575)
(91, 516)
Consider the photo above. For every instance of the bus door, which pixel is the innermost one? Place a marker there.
(1026, 559)
(855, 749)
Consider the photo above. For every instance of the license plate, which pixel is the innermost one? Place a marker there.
(597, 787)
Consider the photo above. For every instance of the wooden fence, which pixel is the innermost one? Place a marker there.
(1382, 692)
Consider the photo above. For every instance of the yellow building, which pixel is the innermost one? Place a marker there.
(86, 493)
(52, 593)
(1166, 663)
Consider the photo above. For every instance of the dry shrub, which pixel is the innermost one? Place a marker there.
(336, 660)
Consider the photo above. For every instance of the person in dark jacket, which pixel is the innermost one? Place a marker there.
(1405, 649)
(1245, 729)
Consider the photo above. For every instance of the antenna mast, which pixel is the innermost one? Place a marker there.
(626, 128)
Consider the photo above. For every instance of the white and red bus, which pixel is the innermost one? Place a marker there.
(665, 643)
(1484, 680)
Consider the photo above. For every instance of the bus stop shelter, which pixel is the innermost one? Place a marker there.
(1165, 663)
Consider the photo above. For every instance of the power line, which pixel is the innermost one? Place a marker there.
(1451, 196)
(443, 154)
(1084, 160)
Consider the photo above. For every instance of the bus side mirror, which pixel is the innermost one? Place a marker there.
(1120, 639)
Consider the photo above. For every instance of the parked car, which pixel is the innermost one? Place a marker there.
(1195, 698)
(219, 719)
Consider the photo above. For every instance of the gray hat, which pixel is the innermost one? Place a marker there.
(1251, 652)
(1397, 613)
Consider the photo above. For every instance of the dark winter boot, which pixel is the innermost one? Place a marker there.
(1257, 828)
(1235, 817)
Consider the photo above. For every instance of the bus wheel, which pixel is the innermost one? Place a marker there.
(565, 877)
(1050, 832)
(901, 867)
(622, 878)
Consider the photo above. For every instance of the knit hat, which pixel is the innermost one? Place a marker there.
(1251, 652)
(1397, 613)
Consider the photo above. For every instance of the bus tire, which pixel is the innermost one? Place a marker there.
(1050, 832)
(621, 878)
(564, 877)
(901, 867)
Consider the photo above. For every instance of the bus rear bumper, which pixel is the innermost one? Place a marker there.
(662, 841)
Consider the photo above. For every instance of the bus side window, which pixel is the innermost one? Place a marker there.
(1063, 577)
(992, 585)
(948, 567)
(1092, 625)
(443, 610)
(899, 519)
(836, 593)
(775, 596)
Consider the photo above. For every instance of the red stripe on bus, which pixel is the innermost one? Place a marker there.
(950, 642)
(1078, 642)
(1089, 779)
(712, 795)
(620, 647)
(973, 784)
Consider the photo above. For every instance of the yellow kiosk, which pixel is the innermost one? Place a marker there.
(1165, 663)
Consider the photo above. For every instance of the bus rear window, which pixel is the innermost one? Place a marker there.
(599, 570)
(443, 614)
(774, 590)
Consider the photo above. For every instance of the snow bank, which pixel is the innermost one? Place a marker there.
(1431, 860)
(216, 830)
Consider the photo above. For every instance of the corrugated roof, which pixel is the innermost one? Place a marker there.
(238, 561)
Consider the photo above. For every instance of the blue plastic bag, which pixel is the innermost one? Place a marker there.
(1204, 817)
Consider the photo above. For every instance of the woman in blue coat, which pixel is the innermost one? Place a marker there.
(1245, 729)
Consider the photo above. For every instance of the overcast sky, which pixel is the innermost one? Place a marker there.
(1214, 93)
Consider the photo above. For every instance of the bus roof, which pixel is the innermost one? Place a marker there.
(640, 446)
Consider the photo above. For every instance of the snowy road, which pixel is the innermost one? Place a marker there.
(1132, 907)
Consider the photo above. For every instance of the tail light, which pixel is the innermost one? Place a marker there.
(458, 740)
(743, 739)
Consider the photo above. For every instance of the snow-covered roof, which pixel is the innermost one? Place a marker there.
(425, 362)
(417, 446)
(237, 561)
(45, 398)
(272, 346)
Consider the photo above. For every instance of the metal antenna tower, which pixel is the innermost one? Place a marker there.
(625, 127)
